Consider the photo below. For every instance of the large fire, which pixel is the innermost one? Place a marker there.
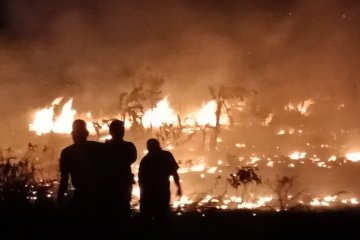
(56, 120)
(46, 120)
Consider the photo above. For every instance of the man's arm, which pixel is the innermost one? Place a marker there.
(62, 187)
(177, 182)
(173, 168)
(133, 153)
(64, 179)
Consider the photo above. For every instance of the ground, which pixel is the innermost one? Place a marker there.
(46, 223)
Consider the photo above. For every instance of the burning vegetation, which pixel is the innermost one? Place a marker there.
(232, 154)
(251, 86)
(257, 100)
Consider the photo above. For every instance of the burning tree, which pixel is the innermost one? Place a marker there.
(131, 106)
(283, 186)
(169, 131)
(220, 96)
(145, 95)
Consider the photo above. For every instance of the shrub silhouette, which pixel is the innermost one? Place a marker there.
(244, 176)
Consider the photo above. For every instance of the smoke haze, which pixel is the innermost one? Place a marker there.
(92, 50)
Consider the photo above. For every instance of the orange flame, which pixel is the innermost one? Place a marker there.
(45, 120)
(301, 107)
(161, 114)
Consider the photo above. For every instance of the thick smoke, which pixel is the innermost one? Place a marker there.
(92, 50)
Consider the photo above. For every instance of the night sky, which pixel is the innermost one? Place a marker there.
(285, 50)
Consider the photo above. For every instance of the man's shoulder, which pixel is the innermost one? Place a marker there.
(75, 147)
(94, 143)
(129, 144)
(67, 153)
(145, 158)
(166, 153)
(120, 143)
(68, 149)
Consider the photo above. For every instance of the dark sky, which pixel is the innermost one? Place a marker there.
(286, 50)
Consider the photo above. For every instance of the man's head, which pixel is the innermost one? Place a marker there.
(153, 145)
(117, 129)
(79, 132)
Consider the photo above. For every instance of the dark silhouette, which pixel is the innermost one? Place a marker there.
(154, 172)
(82, 161)
(120, 155)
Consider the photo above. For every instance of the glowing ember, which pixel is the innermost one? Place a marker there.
(281, 132)
(297, 155)
(206, 199)
(240, 145)
(330, 198)
(270, 164)
(184, 200)
(198, 168)
(354, 156)
(262, 201)
(321, 164)
(254, 159)
(318, 202)
(212, 170)
(268, 120)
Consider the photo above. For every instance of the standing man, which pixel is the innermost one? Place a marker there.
(154, 172)
(120, 155)
(82, 161)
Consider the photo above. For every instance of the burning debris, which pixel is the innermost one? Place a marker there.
(302, 107)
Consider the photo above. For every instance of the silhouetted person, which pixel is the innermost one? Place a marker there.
(154, 171)
(82, 162)
(120, 155)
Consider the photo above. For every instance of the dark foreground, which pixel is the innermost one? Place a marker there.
(48, 223)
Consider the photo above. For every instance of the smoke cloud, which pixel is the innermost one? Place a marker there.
(92, 50)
